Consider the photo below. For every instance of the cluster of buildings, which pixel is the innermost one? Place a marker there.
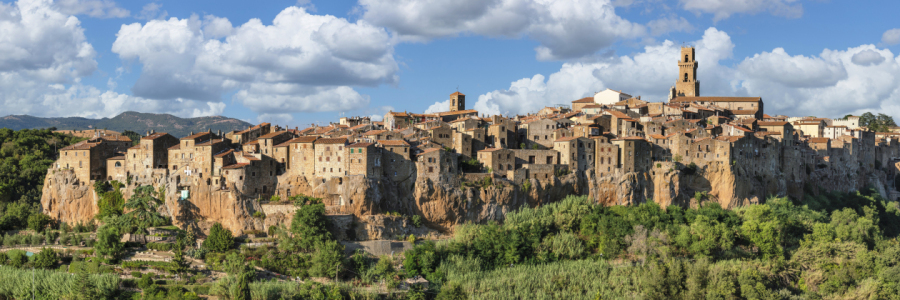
(609, 134)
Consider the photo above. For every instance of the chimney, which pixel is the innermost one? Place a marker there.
(192, 133)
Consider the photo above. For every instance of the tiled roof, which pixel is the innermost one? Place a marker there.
(393, 142)
(195, 136)
(82, 145)
(819, 140)
(772, 123)
(398, 114)
(716, 99)
(154, 136)
(631, 138)
(331, 141)
(176, 147)
(744, 112)
(374, 132)
(304, 139)
(236, 166)
(458, 112)
(115, 138)
(584, 100)
(272, 134)
(225, 153)
(565, 139)
(360, 145)
(118, 157)
(458, 93)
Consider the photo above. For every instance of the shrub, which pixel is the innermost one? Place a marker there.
(160, 246)
(219, 239)
(45, 259)
(136, 274)
(16, 258)
(411, 239)
(38, 222)
(417, 220)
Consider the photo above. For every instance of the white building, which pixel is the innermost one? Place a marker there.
(610, 97)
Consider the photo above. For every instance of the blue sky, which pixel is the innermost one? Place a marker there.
(324, 59)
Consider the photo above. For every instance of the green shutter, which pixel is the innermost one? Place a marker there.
(351, 150)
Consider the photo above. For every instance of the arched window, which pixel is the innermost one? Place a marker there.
(118, 164)
(685, 58)
(685, 77)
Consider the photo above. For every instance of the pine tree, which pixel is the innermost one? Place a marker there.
(219, 239)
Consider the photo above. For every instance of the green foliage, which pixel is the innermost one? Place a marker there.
(470, 165)
(38, 222)
(416, 220)
(327, 261)
(52, 284)
(219, 239)
(300, 200)
(879, 123)
(111, 204)
(109, 242)
(526, 186)
(309, 227)
(46, 259)
(142, 211)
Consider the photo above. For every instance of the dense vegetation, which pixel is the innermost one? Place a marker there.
(131, 121)
(25, 156)
(831, 246)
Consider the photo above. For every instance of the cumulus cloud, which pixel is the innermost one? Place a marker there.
(440, 106)
(891, 37)
(564, 29)
(722, 9)
(92, 8)
(830, 84)
(300, 63)
(867, 58)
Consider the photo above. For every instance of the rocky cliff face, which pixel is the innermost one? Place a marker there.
(67, 199)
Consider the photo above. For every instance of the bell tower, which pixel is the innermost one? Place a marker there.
(457, 101)
(687, 84)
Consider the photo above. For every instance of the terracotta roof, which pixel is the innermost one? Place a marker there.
(82, 145)
(617, 114)
(114, 138)
(331, 141)
(458, 112)
(393, 142)
(154, 136)
(250, 157)
(210, 142)
(359, 126)
(118, 157)
(196, 135)
(730, 138)
(254, 142)
(658, 137)
(225, 153)
(272, 134)
(176, 147)
(304, 139)
(584, 100)
(819, 140)
(772, 123)
(631, 138)
(399, 114)
(743, 112)
(360, 145)
(430, 150)
(458, 93)
(374, 132)
(285, 144)
(236, 166)
(135, 147)
(716, 99)
(808, 123)
(565, 139)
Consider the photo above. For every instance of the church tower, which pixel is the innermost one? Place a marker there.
(457, 101)
(687, 84)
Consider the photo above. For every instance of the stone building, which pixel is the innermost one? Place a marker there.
(606, 155)
(365, 160)
(302, 156)
(436, 163)
(462, 144)
(538, 132)
(634, 154)
(331, 157)
(498, 160)
(87, 159)
(457, 101)
(687, 84)
(396, 158)
(250, 134)
(575, 152)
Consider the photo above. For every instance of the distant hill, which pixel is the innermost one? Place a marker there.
(134, 121)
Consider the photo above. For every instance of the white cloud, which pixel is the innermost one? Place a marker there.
(830, 84)
(92, 8)
(867, 58)
(722, 9)
(891, 37)
(152, 11)
(670, 24)
(564, 29)
(440, 106)
(300, 63)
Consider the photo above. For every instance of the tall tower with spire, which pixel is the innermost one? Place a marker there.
(457, 101)
(687, 84)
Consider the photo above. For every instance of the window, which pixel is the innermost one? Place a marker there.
(685, 58)
(685, 77)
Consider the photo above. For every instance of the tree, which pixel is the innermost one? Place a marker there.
(143, 210)
(111, 204)
(109, 242)
(328, 259)
(16, 258)
(45, 259)
(83, 287)
(219, 239)
(38, 221)
(879, 123)
(309, 226)
(241, 290)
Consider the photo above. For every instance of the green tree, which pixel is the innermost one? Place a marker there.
(45, 259)
(142, 214)
(241, 290)
(38, 222)
(309, 226)
(109, 242)
(327, 259)
(111, 204)
(763, 229)
(83, 288)
(16, 258)
(219, 239)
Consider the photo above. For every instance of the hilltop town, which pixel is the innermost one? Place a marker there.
(460, 165)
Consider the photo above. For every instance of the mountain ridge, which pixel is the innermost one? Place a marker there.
(129, 120)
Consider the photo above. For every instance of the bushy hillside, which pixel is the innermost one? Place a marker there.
(131, 121)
